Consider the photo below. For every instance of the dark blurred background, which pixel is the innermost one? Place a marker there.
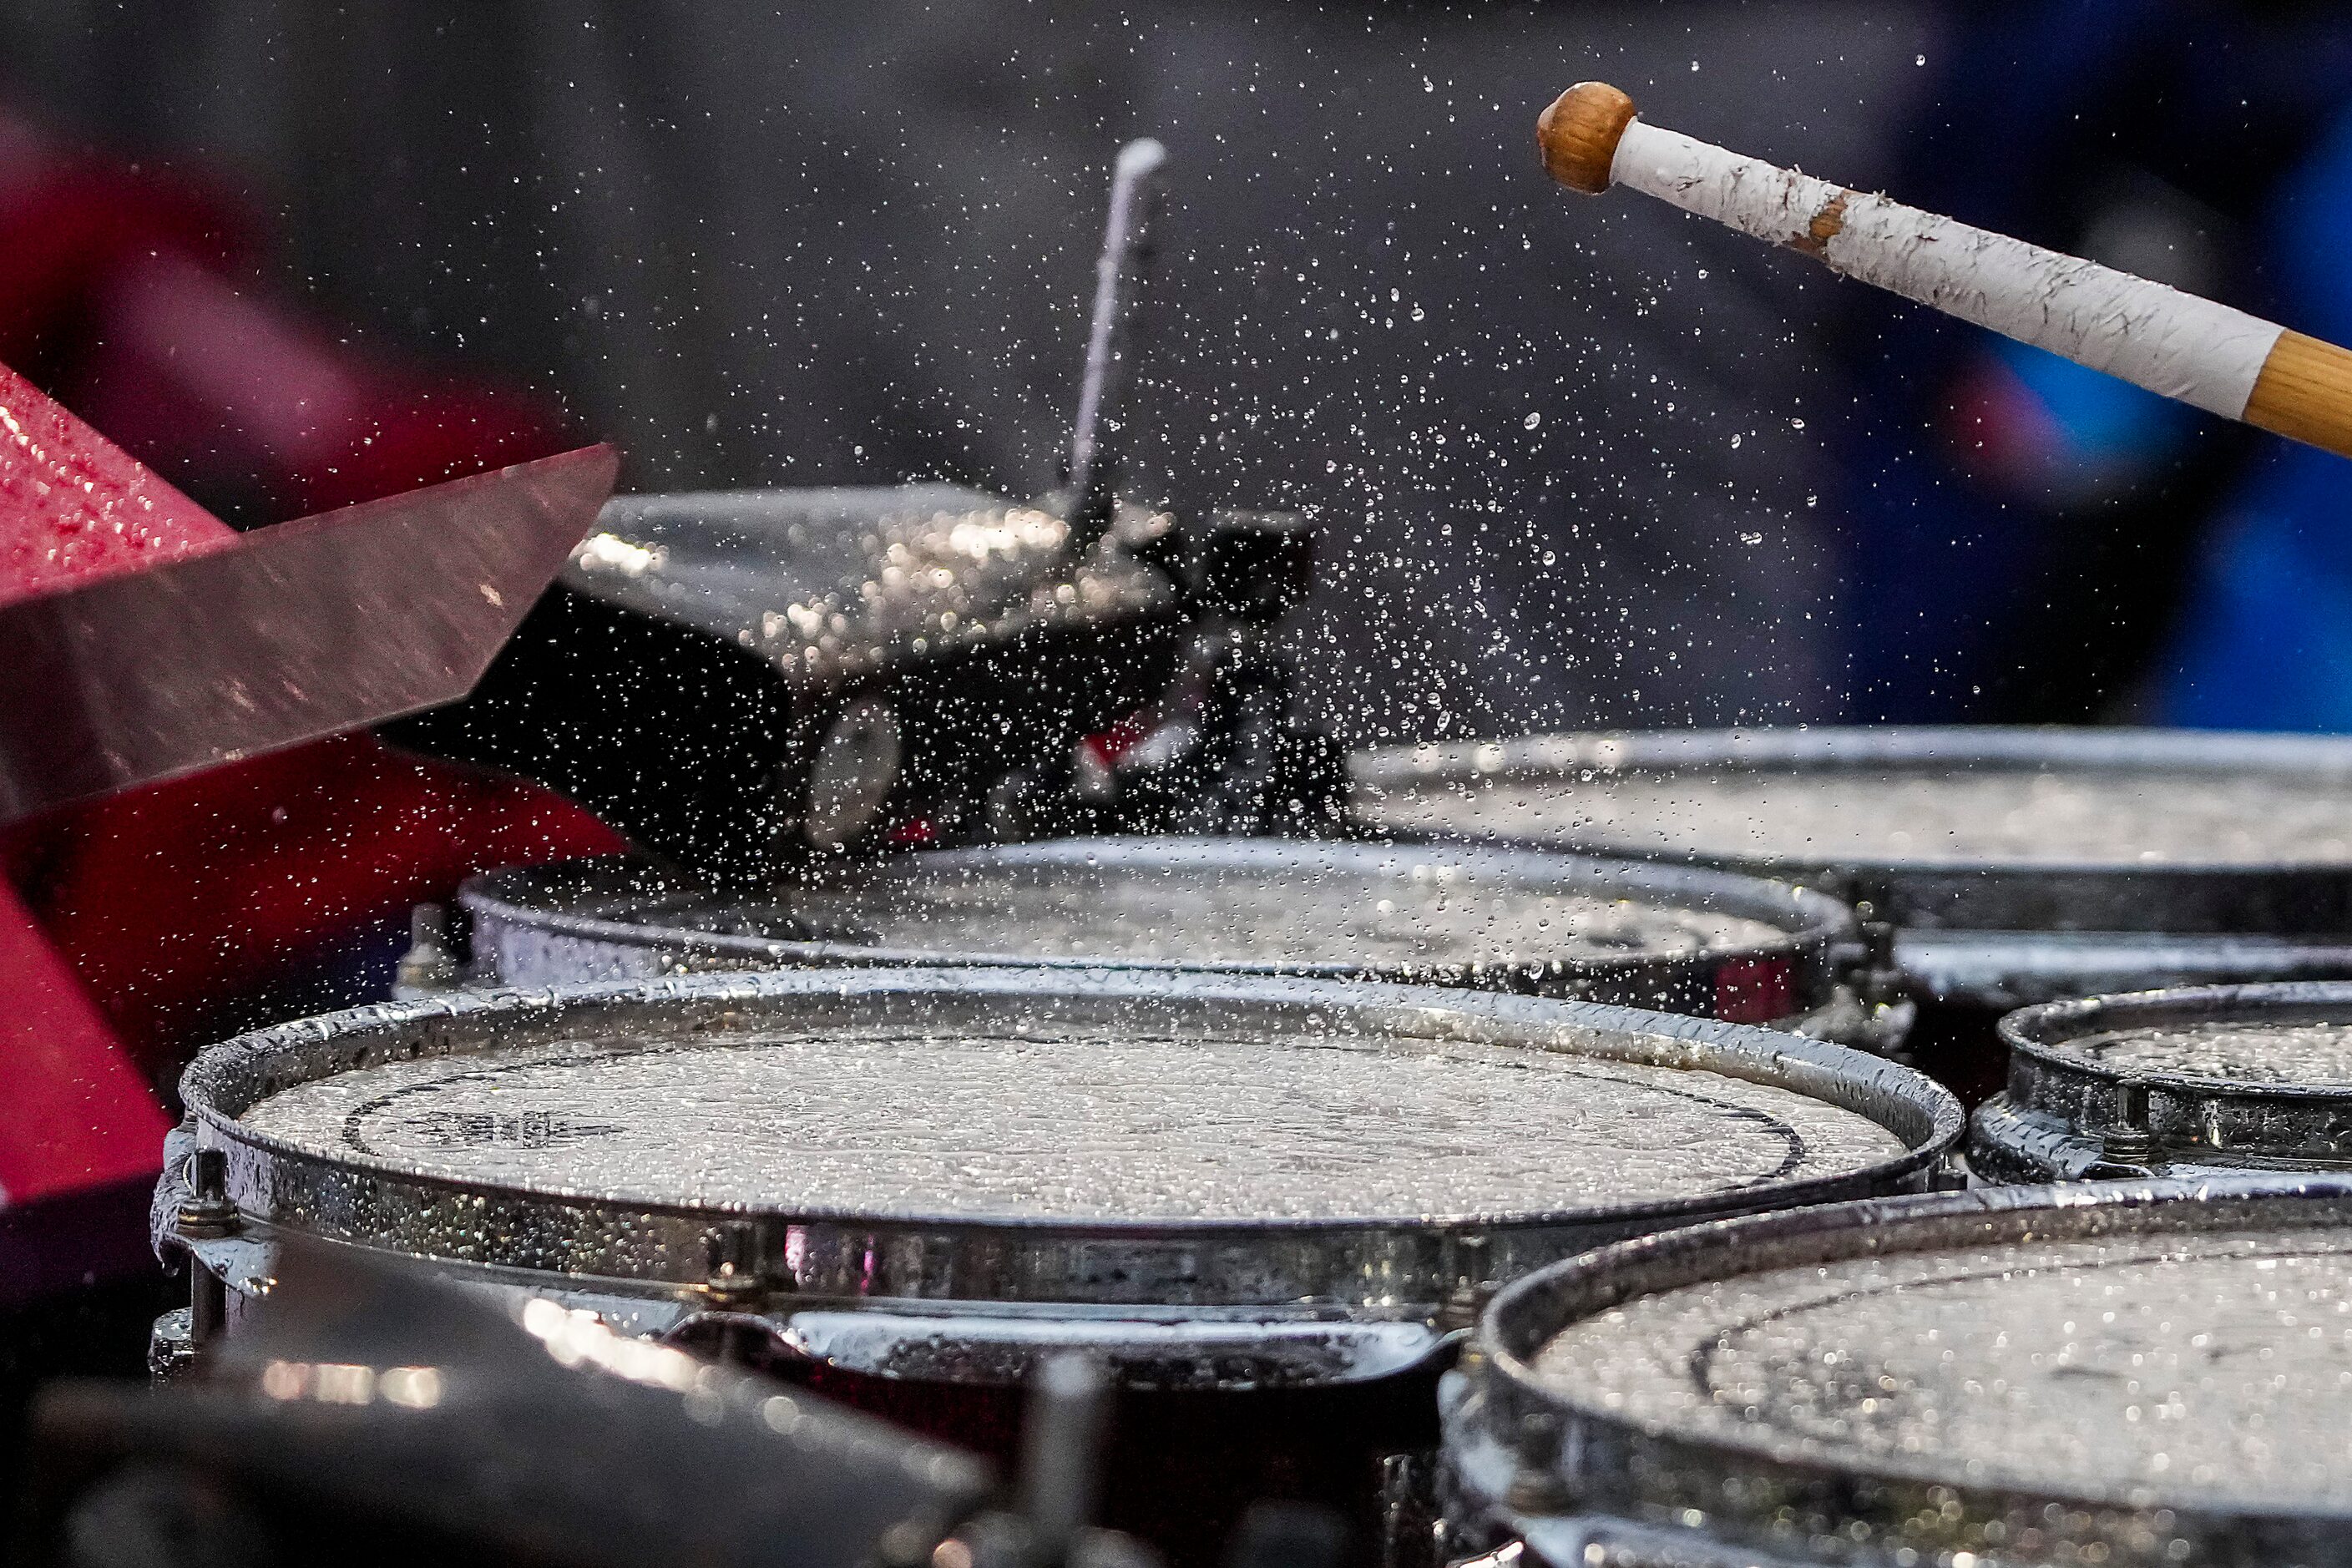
(1577, 463)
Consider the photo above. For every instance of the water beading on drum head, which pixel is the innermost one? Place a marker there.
(1937, 813)
(1314, 908)
(2315, 1054)
(2192, 1369)
(1074, 1120)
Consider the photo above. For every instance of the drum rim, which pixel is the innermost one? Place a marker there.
(228, 1078)
(2026, 894)
(1528, 1312)
(2191, 1119)
(2045, 1032)
(1809, 925)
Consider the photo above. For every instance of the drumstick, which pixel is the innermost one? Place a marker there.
(2200, 351)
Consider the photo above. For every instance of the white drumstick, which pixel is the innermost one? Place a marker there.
(2208, 354)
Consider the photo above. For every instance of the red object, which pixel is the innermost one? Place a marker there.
(1754, 991)
(132, 921)
(78, 1114)
(166, 901)
(73, 506)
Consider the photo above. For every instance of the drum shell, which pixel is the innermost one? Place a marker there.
(1978, 939)
(2065, 1119)
(1522, 1461)
(1314, 1345)
(577, 921)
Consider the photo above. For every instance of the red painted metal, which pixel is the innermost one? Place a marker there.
(74, 506)
(149, 638)
(78, 1114)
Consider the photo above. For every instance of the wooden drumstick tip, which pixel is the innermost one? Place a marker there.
(1578, 133)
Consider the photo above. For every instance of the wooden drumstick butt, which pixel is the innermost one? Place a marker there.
(2179, 345)
(1578, 134)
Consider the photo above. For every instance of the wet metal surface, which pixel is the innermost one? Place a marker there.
(1073, 1137)
(2133, 1374)
(281, 635)
(832, 586)
(1681, 940)
(2205, 1076)
(1093, 1121)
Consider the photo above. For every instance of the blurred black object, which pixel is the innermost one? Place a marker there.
(1227, 748)
(77, 1291)
(739, 679)
(1288, 1535)
(371, 1414)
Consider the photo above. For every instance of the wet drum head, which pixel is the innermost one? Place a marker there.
(2153, 1375)
(2136, 856)
(1684, 941)
(1058, 1140)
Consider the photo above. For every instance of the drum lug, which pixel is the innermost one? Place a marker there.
(1459, 1310)
(1535, 1486)
(737, 1265)
(2131, 1142)
(206, 1214)
(432, 965)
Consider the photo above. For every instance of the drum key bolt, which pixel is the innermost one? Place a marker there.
(733, 1253)
(2131, 1142)
(206, 1213)
(1535, 1486)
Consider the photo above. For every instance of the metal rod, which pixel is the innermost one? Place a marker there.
(1061, 1441)
(1120, 276)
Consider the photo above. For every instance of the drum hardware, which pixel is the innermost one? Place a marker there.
(1673, 938)
(1226, 750)
(430, 965)
(1122, 274)
(2015, 866)
(1535, 1485)
(737, 1273)
(2185, 1081)
(1068, 1413)
(1298, 1343)
(366, 1402)
(1872, 1007)
(1840, 1357)
(744, 682)
(204, 1214)
(2128, 1143)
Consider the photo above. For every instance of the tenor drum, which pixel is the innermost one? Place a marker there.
(1675, 939)
(1268, 1206)
(2181, 1083)
(2139, 1376)
(2015, 866)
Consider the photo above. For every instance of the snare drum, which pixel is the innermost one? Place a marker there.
(1268, 1205)
(2138, 1375)
(1675, 939)
(2181, 1082)
(2016, 866)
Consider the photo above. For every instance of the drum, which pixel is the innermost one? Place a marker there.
(2180, 1083)
(1671, 938)
(2016, 866)
(2138, 1374)
(1267, 1205)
